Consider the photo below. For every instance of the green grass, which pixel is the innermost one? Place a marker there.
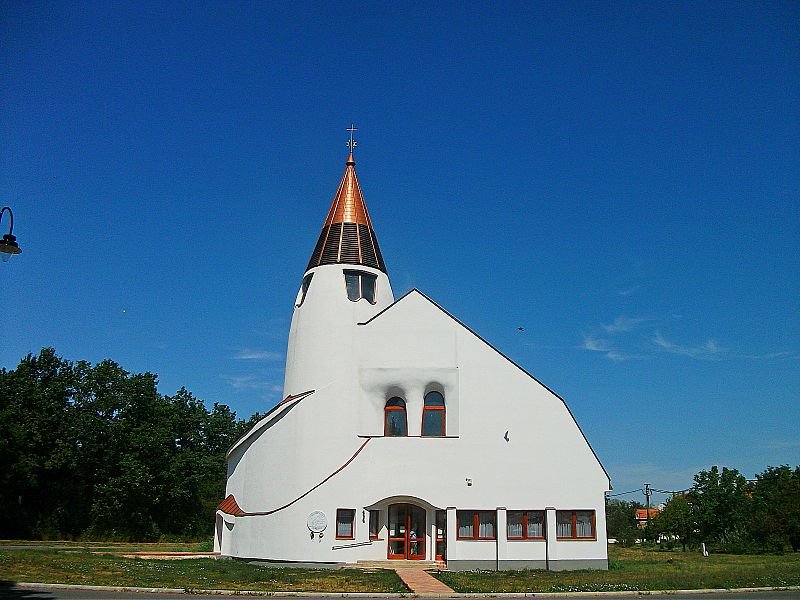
(631, 569)
(76, 564)
(634, 569)
(111, 546)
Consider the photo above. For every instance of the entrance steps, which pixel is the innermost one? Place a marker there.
(418, 565)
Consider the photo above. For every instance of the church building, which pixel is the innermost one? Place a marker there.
(404, 435)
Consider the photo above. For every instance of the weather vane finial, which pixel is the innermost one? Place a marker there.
(352, 143)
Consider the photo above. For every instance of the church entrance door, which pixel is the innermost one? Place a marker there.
(406, 532)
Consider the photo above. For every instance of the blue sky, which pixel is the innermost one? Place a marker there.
(619, 179)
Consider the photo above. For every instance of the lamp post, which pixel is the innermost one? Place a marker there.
(8, 245)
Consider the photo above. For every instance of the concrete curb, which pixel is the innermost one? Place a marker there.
(256, 593)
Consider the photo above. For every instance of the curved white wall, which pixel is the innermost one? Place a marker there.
(508, 434)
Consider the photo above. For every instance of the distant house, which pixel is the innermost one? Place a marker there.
(641, 516)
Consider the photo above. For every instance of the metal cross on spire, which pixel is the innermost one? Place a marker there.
(352, 143)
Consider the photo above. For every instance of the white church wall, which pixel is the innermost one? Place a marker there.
(510, 442)
(320, 346)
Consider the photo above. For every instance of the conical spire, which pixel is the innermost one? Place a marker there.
(347, 235)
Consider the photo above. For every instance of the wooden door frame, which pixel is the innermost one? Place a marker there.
(406, 510)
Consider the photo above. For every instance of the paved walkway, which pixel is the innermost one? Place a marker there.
(422, 583)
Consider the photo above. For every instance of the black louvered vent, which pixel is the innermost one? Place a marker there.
(330, 253)
(358, 247)
(350, 253)
(381, 264)
(317, 249)
(366, 247)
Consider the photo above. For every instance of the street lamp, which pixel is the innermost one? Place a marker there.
(8, 245)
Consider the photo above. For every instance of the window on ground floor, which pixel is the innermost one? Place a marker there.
(345, 519)
(575, 524)
(476, 524)
(374, 524)
(525, 524)
(441, 534)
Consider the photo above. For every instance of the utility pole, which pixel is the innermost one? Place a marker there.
(647, 493)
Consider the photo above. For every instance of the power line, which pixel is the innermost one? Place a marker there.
(671, 491)
(624, 493)
(649, 488)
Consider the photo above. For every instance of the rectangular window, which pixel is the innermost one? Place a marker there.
(525, 524)
(345, 518)
(441, 534)
(575, 524)
(374, 524)
(476, 524)
(368, 287)
(351, 281)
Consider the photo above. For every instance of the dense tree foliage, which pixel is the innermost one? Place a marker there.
(776, 508)
(730, 513)
(93, 450)
(677, 519)
(621, 520)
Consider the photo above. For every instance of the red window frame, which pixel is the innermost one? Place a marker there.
(525, 535)
(574, 517)
(388, 408)
(441, 534)
(476, 521)
(340, 512)
(426, 408)
(374, 524)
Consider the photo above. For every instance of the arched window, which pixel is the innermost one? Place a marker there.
(433, 415)
(394, 418)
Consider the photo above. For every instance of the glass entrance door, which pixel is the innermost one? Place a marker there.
(406, 532)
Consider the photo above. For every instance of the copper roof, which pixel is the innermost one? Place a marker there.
(347, 235)
(230, 506)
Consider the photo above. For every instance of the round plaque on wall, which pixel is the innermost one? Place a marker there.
(317, 521)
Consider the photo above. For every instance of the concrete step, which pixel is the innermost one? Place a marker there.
(421, 565)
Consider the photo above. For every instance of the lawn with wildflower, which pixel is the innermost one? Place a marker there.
(81, 565)
(636, 569)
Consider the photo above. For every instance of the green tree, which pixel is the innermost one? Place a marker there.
(94, 450)
(36, 452)
(677, 519)
(621, 520)
(721, 502)
(775, 518)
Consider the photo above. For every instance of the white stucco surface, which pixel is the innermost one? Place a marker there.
(511, 438)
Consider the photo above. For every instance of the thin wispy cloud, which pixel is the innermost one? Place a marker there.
(708, 350)
(629, 291)
(595, 344)
(252, 382)
(771, 355)
(782, 444)
(262, 355)
(624, 324)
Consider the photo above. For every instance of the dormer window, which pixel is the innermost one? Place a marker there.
(360, 285)
(301, 295)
